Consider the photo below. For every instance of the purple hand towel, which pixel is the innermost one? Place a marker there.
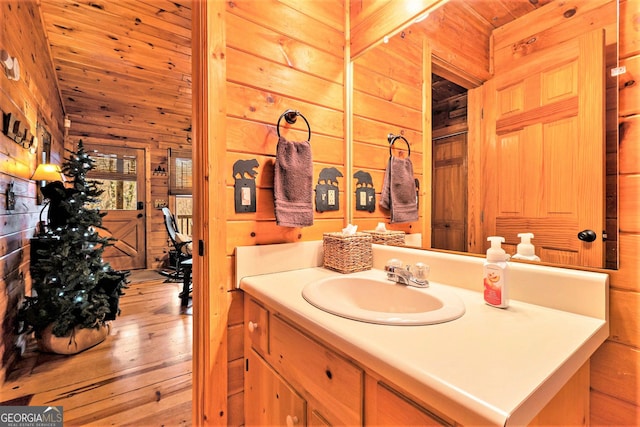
(399, 190)
(293, 184)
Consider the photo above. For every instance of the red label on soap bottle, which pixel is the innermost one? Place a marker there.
(493, 286)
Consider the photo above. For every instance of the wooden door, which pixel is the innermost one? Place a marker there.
(449, 193)
(544, 166)
(121, 174)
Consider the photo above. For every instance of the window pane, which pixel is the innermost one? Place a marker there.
(180, 172)
(183, 173)
(184, 214)
(113, 163)
(118, 195)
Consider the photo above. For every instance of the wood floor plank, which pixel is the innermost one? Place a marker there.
(139, 376)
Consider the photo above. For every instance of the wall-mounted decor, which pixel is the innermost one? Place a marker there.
(45, 155)
(11, 197)
(160, 170)
(10, 125)
(244, 174)
(327, 192)
(10, 64)
(365, 192)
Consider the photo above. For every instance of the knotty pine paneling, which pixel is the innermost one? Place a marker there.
(34, 98)
(609, 411)
(629, 95)
(624, 329)
(373, 22)
(629, 31)
(257, 40)
(298, 21)
(123, 68)
(253, 115)
(615, 365)
(271, 68)
(619, 379)
(280, 55)
(629, 191)
(629, 137)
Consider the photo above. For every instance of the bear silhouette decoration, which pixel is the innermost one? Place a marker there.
(363, 179)
(329, 176)
(244, 168)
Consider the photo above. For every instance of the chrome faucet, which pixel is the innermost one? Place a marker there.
(409, 276)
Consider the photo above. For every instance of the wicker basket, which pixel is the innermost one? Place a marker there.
(389, 237)
(347, 254)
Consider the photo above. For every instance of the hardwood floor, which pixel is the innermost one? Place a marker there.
(139, 376)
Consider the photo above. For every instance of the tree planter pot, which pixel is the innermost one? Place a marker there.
(79, 340)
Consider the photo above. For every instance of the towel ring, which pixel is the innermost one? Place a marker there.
(392, 139)
(290, 116)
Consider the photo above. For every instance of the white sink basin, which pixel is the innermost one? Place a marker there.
(382, 301)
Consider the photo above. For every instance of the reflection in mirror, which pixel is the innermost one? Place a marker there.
(464, 128)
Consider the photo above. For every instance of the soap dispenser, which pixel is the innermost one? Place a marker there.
(495, 274)
(525, 248)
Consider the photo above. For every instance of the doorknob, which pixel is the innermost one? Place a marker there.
(587, 235)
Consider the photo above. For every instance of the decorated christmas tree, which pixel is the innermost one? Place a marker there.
(72, 285)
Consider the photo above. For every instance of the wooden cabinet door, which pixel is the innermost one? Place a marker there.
(269, 401)
(544, 167)
(386, 407)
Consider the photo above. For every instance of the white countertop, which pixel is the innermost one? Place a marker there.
(491, 366)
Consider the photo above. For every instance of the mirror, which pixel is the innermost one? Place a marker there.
(450, 51)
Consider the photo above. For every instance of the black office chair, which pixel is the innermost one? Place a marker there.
(181, 247)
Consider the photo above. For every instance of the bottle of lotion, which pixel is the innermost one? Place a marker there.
(525, 248)
(495, 274)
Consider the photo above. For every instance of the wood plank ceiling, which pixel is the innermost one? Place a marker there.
(124, 66)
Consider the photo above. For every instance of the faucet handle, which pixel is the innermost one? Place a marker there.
(392, 264)
(420, 272)
(392, 267)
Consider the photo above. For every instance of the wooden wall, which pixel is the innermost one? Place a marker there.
(615, 367)
(35, 101)
(279, 56)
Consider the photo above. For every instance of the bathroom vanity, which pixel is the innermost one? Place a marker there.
(527, 364)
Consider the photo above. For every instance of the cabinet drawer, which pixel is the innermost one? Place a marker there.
(333, 383)
(256, 323)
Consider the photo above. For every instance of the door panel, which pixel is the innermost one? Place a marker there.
(449, 193)
(120, 173)
(544, 170)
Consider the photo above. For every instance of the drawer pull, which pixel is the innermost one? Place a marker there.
(292, 420)
(329, 374)
(252, 326)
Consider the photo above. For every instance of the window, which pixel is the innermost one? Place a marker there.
(180, 172)
(115, 173)
(184, 214)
